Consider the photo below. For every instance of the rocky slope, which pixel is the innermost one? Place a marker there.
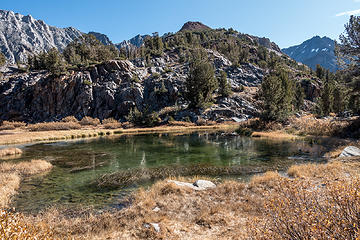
(153, 84)
(315, 51)
(109, 90)
(22, 35)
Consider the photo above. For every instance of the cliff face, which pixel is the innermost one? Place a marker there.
(110, 90)
(23, 35)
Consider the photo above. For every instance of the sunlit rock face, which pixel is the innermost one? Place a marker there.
(23, 35)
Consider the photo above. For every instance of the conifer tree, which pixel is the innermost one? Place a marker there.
(201, 82)
(299, 97)
(224, 85)
(277, 93)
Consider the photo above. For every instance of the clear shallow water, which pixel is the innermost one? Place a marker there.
(77, 165)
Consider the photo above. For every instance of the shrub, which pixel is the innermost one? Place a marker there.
(89, 121)
(2, 59)
(7, 125)
(53, 126)
(301, 210)
(146, 118)
(243, 131)
(16, 226)
(70, 119)
(111, 123)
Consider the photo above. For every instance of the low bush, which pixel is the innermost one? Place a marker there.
(243, 131)
(304, 210)
(89, 121)
(53, 126)
(70, 119)
(11, 125)
(111, 123)
(16, 226)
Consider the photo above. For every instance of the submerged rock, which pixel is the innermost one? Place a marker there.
(350, 151)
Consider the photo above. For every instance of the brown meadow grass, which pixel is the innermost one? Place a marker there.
(10, 152)
(9, 183)
(12, 173)
(26, 168)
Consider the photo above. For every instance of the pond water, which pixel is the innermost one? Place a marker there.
(78, 165)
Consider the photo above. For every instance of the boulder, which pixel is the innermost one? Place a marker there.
(350, 151)
(199, 185)
(204, 184)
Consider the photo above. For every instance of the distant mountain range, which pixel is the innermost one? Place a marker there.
(315, 51)
(23, 35)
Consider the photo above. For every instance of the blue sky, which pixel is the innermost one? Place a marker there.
(286, 22)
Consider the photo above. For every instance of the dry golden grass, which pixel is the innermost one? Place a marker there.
(53, 126)
(179, 123)
(331, 170)
(9, 183)
(26, 168)
(11, 174)
(275, 135)
(7, 125)
(10, 152)
(309, 125)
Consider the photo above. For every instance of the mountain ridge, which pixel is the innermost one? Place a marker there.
(317, 50)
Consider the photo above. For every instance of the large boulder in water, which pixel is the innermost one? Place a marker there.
(350, 151)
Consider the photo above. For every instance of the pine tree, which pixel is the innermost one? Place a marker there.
(326, 98)
(320, 71)
(224, 85)
(348, 52)
(299, 97)
(338, 100)
(277, 93)
(201, 82)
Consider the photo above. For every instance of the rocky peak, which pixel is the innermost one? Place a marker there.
(317, 50)
(194, 26)
(134, 42)
(23, 35)
(102, 38)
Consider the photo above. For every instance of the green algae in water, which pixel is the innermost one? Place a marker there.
(78, 166)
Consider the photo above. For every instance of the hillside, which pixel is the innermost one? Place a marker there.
(315, 51)
(152, 83)
(150, 79)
